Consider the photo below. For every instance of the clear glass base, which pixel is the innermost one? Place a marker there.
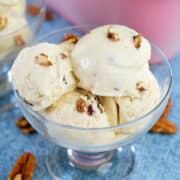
(7, 99)
(69, 164)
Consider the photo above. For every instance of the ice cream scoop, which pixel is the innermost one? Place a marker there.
(110, 60)
(131, 108)
(135, 107)
(42, 73)
(78, 108)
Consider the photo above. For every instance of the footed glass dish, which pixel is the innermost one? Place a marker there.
(97, 153)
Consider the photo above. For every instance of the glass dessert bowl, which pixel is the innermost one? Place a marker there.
(17, 27)
(97, 152)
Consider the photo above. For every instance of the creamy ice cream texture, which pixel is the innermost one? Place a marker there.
(130, 108)
(17, 6)
(81, 109)
(110, 60)
(111, 65)
(42, 73)
(14, 29)
(78, 108)
(13, 33)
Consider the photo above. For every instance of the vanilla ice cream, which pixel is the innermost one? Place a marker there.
(135, 107)
(42, 73)
(78, 108)
(69, 41)
(128, 108)
(17, 6)
(110, 60)
(100, 80)
(12, 34)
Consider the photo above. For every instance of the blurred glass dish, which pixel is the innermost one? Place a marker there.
(97, 152)
(17, 27)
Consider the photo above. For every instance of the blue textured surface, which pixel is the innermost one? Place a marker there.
(157, 156)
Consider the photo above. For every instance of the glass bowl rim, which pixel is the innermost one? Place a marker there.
(125, 124)
(42, 10)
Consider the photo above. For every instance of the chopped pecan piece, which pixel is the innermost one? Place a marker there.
(80, 105)
(3, 22)
(63, 55)
(24, 125)
(90, 110)
(140, 87)
(113, 36)
(42, 59)
(72, 37)
(33, 10)
(19, 40)
(137, 41)
(163, 125)
(24, 167)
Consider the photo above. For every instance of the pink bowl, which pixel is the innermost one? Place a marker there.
(157, 20)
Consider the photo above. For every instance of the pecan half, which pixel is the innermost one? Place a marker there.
(19, 40)
(112, 35)
(42, 59)
(80, 105)
(3, 22)
(137, 41)
(73, 37)
(23, 168)
(163, 125)
(24, 126)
